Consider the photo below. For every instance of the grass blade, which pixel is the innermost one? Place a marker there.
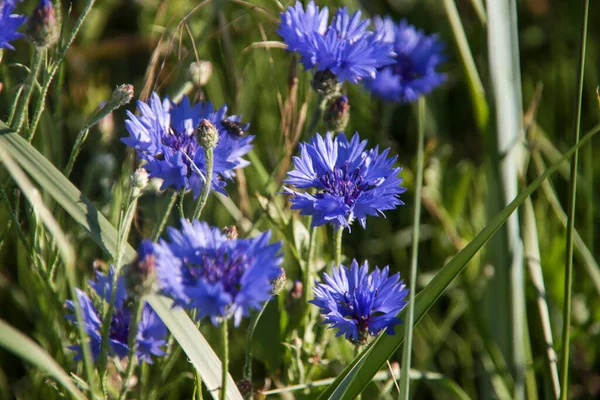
(571, 208)
(16, 342)
(356, 376)
(103, 233)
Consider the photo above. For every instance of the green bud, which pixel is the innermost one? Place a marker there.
(325, 83)
(122, 95)
(139, 180)
(278, 283)
(207, 135)
(42, 26)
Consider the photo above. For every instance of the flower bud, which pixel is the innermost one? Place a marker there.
(42, 26)
(325, 83)
(296, 291)
(122, 95)
(139, 180)
(141, 274)
(245, 388)
(207, 135)
(337, 114)
(278, 283)
(231, 232)
(200, 72)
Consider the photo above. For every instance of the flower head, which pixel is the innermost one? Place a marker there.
(151, 330)
(359, 303)
(9, 23)
(43, 28)
(165, 136)
(351, 182)
(202, 268)
(346, 46)
(414, 72)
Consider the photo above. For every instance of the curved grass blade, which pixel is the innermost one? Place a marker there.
(16, 342)
(359, 373)
(97, 226)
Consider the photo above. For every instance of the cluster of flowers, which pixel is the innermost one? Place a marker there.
(336, 180)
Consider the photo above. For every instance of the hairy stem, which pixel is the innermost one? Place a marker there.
(207, 184)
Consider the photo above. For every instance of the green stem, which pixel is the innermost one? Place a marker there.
(410, 314)
(207, 184)
(60, 55)
(131, 342)
(308, 277)
(13, 107)
(571, 208)
(23, 105)
(164, 218)
(224, 356)
(198, 386)
(253, 323)
(337, 245)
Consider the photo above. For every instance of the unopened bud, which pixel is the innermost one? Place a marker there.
(231, 232)
(207, 135)
(337, 114)
(325, 83)
(245, 388)
(42, 26)
(122, 95)
(139, 180)
(141, 274)
(296, 291)
(278, 283)
(200, 72)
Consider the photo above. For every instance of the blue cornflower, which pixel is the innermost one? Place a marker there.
(164, 136)
(414, 72)
(351, 182)
(9, 23)
(358, 303)
(346, 46)
(202, 269)
(151, 330)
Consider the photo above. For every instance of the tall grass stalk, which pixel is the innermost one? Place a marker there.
(410, 313)
(566, 337)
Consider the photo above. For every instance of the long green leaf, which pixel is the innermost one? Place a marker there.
(357, 375)
(97, 226)
(16, 342)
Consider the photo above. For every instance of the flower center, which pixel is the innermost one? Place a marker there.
(221, 267)
(405, 68)
(119, 326)
(342, 183)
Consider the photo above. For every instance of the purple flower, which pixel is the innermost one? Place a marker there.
(151, 330)
(414, 72)
(346, 46)
(200, 268)
(164, 136)
(350, 182)
(9, 23)
(360, 304)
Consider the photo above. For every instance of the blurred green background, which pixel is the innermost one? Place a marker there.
(151, 44)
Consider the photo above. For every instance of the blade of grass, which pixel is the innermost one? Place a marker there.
(571, 208)
(408, 328)
(19, 344)
(105, 235)
(355, 377)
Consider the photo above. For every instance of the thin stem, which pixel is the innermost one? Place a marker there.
(309, 270)
(410, 314)
(198, 386)
(13, 107)
(224, 356)
(571, 208)
(131, 342)
(23, 105)
(81, 137)
(60, 55)
(207, 184)
(160, 226)
(253, 323)
(337, 245)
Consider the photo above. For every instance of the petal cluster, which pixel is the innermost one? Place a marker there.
(151, 330)
(201, 268)
(413, 73)
(350, 182)
(9, 23)
(346, 46)
(164, 136)
(359, 303)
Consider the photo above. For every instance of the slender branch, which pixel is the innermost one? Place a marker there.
(207, 184)
(23, 105)
(337, 245)
(253, 323)
(160, 226)
(224, 357)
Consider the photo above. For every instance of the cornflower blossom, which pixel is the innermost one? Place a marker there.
(164, 135)
(350, 182)
(359, 303)
(201, 268)
(345, 46)
(413, 73)
(151, 330)
(9, 23)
